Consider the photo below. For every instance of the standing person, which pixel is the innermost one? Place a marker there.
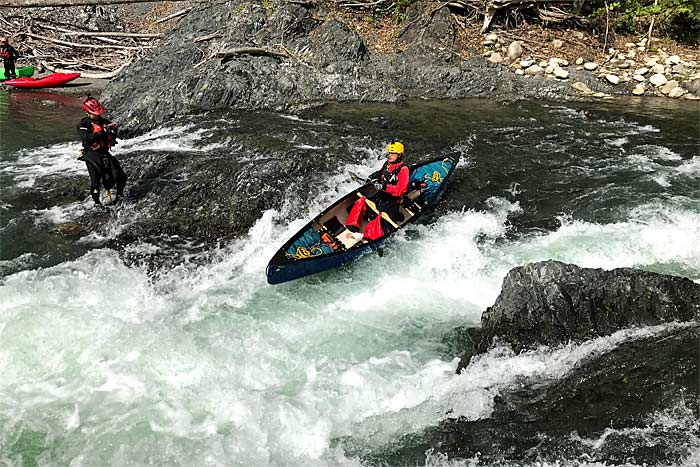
(391, 183)
(98, 135)
(9, 55)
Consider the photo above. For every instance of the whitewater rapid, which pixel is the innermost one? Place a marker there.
(107, 362)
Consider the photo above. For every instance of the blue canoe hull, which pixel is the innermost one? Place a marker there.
(283, 269)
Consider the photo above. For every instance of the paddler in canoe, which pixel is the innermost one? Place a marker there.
(98, 135)
(391, 183)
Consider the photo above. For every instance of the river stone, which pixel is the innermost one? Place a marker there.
(561, 73)
(673, 60)
(557, 43)
(641, 71)
(590, 66)
(579, 86)
(676, 92)
(658, 80)
(658, 68)
(491, 38)
(639, 90)
(526, 63)
(495, 58)
(666, 88)
(551, 302)
(639, 78)
(519, 72)
(678, 69)
(612, 79)
(579, 61)
(515, 50)
(534, 70)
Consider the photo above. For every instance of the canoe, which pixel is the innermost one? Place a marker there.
(325, 242)
(23, 72)
(49, 81)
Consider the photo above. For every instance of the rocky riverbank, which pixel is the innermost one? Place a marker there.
(243, 55)
(288, 56)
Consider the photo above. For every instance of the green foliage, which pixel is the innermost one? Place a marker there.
(269, 6)
(680, 18)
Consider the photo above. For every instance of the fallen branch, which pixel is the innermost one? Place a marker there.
(495, 5)
(85, 46)
(71, 32)
(208, 37)
(250, 51)
(174, 15)
(113, 34)
(108, 75)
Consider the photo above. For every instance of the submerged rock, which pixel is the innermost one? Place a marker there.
(602, 410)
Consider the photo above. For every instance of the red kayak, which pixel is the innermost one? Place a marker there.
(49, 81)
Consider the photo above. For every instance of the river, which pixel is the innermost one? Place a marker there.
(106, 361)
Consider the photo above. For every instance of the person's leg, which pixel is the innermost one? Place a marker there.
(119, 177)
(10, 72)
(356, 214)
(94, 182)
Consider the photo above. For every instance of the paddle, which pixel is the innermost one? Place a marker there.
(356, 178)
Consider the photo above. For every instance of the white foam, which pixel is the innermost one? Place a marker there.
(62, 159)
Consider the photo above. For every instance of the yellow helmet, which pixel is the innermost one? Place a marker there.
(395, 148)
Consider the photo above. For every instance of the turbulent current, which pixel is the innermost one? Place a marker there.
(109, 361)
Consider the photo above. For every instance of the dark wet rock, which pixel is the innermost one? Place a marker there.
(462, 340)
(70, 229)
(693, 86)
(609, 408)
(552, 302)
(327, 61)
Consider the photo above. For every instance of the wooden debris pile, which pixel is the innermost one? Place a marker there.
(57, 46)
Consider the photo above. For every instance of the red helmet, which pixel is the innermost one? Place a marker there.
(93, 106)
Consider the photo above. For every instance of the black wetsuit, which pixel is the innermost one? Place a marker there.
(104, 168)
(9, 55)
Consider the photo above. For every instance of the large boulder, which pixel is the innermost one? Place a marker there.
(552, 302)
(313, 61)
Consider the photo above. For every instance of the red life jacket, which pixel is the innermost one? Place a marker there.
(396, 185)
(104, 143)
(391, 177)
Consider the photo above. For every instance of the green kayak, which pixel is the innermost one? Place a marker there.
(23, 72)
